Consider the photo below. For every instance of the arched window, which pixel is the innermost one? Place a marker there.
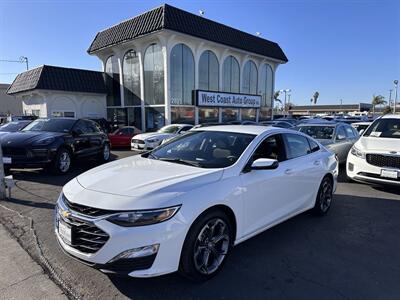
(208, 71)
(131, 72)
(154, 75)
(249, 82)
(182, 75)
(230, 75)
(112, 82)
(266, 85)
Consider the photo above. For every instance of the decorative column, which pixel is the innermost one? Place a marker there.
(142, 94)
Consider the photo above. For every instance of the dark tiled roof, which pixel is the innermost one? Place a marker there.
(172, 18)
(60, 79)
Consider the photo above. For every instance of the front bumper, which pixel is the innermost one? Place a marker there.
(169, 235)
(359, 169)
(29, 157)
(144, 145)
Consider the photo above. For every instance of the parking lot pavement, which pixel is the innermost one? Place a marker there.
(353, 253)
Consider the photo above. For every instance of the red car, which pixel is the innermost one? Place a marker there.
(121, 138)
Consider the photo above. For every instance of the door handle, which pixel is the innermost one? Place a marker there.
(288, 171)
(317, 163)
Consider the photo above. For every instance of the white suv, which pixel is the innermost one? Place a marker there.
(375, 157)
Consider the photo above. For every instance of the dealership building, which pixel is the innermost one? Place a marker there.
(161, 67)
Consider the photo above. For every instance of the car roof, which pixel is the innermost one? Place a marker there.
(248, 129)
(322, 123)
(179, 125)
(391, 116)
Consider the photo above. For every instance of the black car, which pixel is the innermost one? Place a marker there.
(13, 126)
(54, 143)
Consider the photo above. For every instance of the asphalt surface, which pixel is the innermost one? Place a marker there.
(353, 253)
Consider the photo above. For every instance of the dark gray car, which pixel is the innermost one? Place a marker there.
(338, 137)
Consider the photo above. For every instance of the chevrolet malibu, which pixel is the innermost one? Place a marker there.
(184, 205)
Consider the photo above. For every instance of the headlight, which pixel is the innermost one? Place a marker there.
(152, 140)
(357, 152)
(143, 217)
(45, 142)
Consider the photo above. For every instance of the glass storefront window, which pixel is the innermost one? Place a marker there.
(134, 117)
(266, 87)
(208, 115)
(155, 118)
(182, 75)
(183, 115)
(117, 117)
(230, 75)
(154, 75)
(131, 72)
(208, 71)
(112, 82)
(250, 77)
(229, 114)
(265, 114)
(249, 114)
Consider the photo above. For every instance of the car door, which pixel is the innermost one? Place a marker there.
(304, 172)
(265, 192)
(95, 136)
(341, 144)
(80, 138)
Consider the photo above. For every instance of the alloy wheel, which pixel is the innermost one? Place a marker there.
(106, 152)
(64, 162)
(211, 246)
(326, 195)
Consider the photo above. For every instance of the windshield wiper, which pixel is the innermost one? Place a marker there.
(181, 161)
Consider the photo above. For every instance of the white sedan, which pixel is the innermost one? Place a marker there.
(184, 205)
(151, 140)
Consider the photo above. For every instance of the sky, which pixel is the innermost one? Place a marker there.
(345, 50)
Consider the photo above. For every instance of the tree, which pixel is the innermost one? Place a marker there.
(315, 97)
(377, 100)
(387, 110)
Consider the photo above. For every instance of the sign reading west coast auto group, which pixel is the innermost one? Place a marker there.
(205, 98)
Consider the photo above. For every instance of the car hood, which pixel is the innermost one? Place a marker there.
(137, 183)
(160, 136)
(24, 138)
(378, 145)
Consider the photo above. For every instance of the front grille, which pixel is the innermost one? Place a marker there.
(13, 151)
(381, 160)
(138, 141)
(87, 210)
(86, 237)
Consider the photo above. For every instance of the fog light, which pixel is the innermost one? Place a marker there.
(351, 167)
(137, 252)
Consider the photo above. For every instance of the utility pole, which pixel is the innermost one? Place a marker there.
(2, 181)
(396, 83)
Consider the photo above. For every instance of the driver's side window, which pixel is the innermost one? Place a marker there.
(272, 147)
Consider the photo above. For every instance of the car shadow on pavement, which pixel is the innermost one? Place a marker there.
(35, 204)
(304, 257)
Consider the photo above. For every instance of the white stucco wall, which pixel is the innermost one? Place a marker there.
(47, 102)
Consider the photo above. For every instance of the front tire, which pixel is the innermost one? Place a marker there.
(324, 197)
(105, 153)
(62, 162)
(206, 246)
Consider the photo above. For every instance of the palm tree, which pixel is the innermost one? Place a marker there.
(377, 100)
(315, 97)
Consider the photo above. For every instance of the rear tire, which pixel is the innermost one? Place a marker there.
(207, 246)
(62, 162)
(324, 197)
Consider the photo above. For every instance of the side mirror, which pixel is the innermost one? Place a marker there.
(340, 137)
(361, 131)
(264, 164)
(182, 132)
(76, 133)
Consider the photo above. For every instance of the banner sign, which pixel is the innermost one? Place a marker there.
(220, 99)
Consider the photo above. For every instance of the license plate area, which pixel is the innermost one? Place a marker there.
(393, 174)
(7, 160)
(65, 232)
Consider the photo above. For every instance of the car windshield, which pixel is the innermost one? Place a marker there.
(384, 128)
(13, 126)
(169, 129)
(52, 125)
(318, 132)
(204, 149)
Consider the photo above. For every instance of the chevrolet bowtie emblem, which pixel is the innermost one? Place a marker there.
(65, 213)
